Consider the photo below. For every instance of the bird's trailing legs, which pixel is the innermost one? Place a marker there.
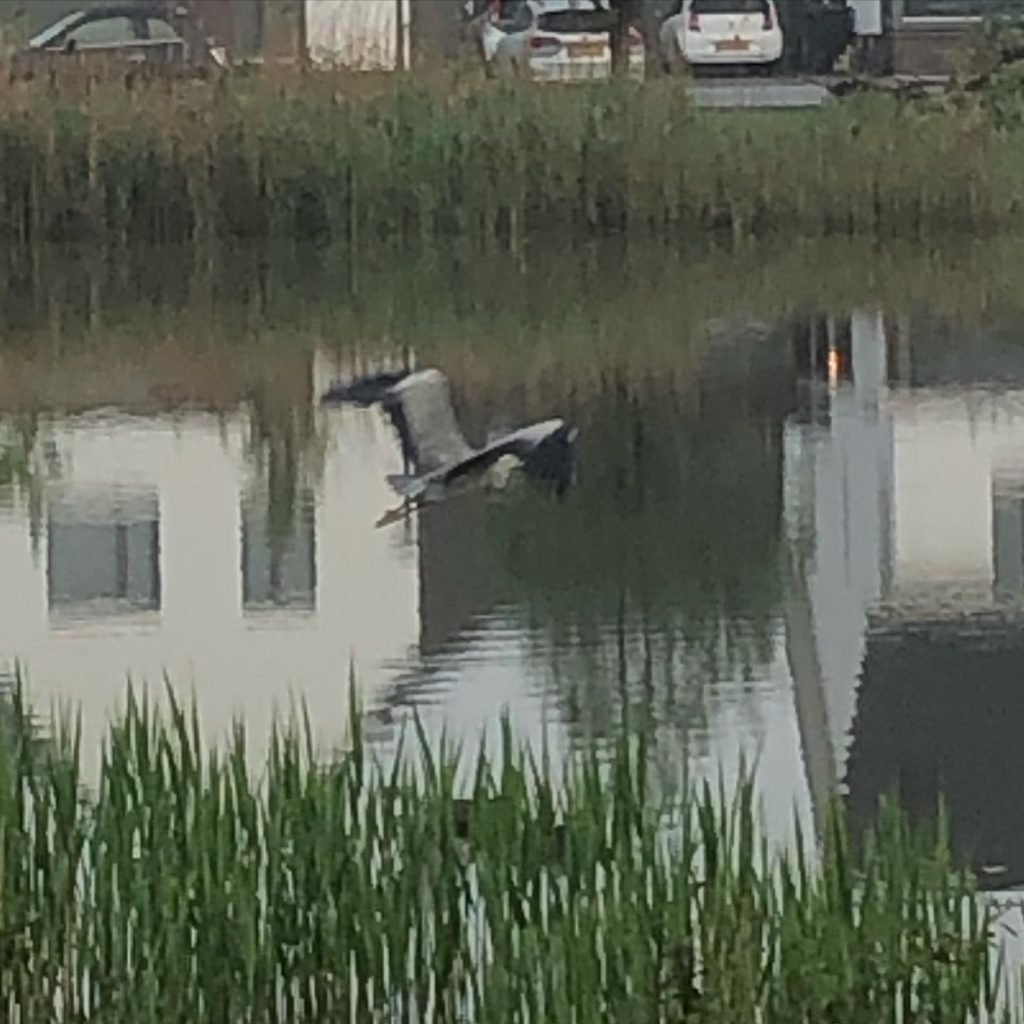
(397, 514)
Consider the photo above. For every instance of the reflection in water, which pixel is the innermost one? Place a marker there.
(103, 554)
(838, 473)
(27, 457)
(460, 576)
(216, 556)
(939, 716)
(669, 541)
(905, 522)
(1008, 539)
(793, 532)
(278, 554)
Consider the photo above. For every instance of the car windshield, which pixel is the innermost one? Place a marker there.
(159, 31)
(53, 31)
(569, 21)
(729, 6)
(115, 31)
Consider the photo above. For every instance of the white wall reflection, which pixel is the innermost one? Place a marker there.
(152, 568)
(959, 459)
(905, 513)
(839, 491)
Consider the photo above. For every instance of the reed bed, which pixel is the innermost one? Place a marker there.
(178, 887)
(358, 158)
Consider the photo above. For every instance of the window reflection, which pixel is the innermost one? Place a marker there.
(278, 553)
(103, 555)
(1008, 541)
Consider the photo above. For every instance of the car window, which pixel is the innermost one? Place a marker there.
(49, 34)
(104, 32)
(662, 9)
(729, 6)
(516, 18)
(160, 31)
(566, 22)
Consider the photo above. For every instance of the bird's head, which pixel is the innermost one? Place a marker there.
(364, 390)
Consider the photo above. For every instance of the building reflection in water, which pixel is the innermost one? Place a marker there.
(164, 556)
(904, 622)
(278, 553)
(103, 554)
(1008, 538)
(838, 486)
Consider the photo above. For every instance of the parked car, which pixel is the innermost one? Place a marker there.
(709, 33)
(152, 36)
(559, 40)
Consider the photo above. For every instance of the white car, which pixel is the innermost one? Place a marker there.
(723, 32)
(562, 40)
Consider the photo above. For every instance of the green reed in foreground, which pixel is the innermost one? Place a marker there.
(179, 888)
(362, 157)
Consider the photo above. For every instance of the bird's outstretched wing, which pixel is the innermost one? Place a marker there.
(420, 407)
(544, 448)
(522, 443)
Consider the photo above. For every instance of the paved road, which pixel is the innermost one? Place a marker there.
(770, 94)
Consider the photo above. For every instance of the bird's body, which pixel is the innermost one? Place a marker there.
(441, 460)
(501, 473)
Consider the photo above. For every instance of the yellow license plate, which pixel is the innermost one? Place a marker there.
(729, 45)
(587, 49)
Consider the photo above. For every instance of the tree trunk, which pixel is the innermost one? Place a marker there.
(650, 26)
(620, 38)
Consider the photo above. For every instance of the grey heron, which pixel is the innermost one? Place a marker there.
(442, 460)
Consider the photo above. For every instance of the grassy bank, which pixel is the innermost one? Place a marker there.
(179, 890)
(359, 158)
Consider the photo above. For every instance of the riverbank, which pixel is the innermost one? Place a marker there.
(436, 891)
(362, 158)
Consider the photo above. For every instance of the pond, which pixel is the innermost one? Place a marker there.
(796, 531)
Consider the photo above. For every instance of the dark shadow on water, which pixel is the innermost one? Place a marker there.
(939, 718)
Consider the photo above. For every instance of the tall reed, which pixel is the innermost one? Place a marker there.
(356, 158)
(178, 887)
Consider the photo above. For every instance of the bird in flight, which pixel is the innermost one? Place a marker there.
(440, 458)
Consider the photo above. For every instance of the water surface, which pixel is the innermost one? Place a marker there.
(797, 530)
